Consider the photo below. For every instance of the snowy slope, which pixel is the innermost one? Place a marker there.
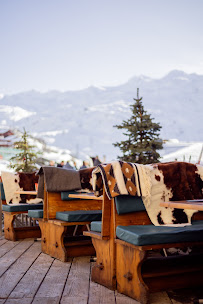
(82, 121)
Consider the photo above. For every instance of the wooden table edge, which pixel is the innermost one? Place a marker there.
(86, 196)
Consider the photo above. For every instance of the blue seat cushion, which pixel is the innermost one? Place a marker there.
(150, 234)
(2, 192)
(21, 207)
(96, 226)
(36, 213)
(65, 195)
(127, 203)
(79, 215)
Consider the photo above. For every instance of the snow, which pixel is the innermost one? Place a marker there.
(82, 121)
(51, 133)
(4, 166)
(190, 153)
(16, 113)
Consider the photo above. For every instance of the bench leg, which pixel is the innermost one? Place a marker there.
(44, 230)
(128, 273)
(54, 245)
(9, 231)
(104, 271)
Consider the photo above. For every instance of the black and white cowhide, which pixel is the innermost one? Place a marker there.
(13, 182)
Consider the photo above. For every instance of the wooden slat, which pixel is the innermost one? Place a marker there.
(133, 218)
(63, 223)
(55, 204)
(96, 235)
(52, 287)
(86, 196)
(192, 205)
(8, 259)
(106, 215)
(77, 285)
(160, 246)
(31, 281)
(14, 274)
(26, 192)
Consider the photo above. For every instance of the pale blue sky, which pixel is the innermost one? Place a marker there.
(72, 44)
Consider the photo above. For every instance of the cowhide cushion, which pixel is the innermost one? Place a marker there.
(13, 182)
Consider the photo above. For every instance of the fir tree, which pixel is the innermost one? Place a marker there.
(143, 136)
(25, 159)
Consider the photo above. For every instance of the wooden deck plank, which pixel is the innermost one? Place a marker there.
(185, 295)
(100, 294)
(31, 277)
(46, 300)
(154, 298)
(52, 287)
(9, 258)
(159, 297)
(77, 285)
(31, 281)
(7, 246)
(2, 241)
(12, 276)
(16, 301)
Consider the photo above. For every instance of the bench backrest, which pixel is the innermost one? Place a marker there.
(59, 202)
(122, 210)
(126, 204)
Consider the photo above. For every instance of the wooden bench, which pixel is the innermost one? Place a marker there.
(63, 222)
(129, 266)
(16, 223)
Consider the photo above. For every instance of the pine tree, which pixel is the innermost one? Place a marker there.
(143, 136)
(25, 159)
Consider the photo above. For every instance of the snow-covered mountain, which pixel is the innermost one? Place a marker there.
(82, 121)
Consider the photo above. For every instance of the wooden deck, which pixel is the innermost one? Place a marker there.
(29, 276)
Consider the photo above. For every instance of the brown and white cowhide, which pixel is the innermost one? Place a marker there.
(87, 182)
(174, 181)
(19, 181)
(155, 183)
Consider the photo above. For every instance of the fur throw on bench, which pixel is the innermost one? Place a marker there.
(57, 180)
(155, 183)
(13, 182)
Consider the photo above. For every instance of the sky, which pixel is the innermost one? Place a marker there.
(73, 44)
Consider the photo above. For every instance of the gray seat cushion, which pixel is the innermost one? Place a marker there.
(79, 215)
(2, 192)
(36, 213)
(21, 207)
(96, 226)
(150, 234)
(127, 203)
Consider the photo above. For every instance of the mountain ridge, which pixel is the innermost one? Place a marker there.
(83, 120)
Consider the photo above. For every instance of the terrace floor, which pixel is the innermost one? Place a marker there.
(29, 276)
